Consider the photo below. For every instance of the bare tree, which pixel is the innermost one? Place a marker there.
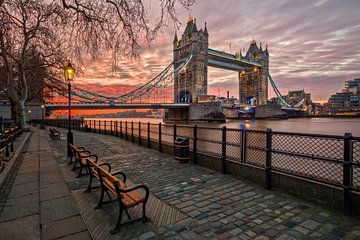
(53, 29)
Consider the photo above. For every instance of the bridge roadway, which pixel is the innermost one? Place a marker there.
(229, 61)
(60, 106)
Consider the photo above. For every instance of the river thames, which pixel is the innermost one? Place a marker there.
(331, 126)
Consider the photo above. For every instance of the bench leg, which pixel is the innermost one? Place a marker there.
(71, 159)
(89, 186)
(100, 203)
(80, 172)
(127, 214)
(74, 167)
(144, 218)
(117, 227)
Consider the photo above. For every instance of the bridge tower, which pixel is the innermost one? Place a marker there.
(253, 84)
(192, 81)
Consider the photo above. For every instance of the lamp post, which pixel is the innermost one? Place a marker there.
(42, 113)
(69, 72)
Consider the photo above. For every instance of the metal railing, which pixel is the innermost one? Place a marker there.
(329, 159)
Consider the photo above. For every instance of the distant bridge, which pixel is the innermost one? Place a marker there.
(83, 106)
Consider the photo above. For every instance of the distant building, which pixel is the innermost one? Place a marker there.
(348, 100)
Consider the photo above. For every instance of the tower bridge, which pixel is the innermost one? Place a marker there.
(187, 78)
(252, 69)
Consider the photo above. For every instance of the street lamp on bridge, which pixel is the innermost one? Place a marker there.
(69, 72)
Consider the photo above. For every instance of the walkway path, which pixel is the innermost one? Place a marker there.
(215, 206)
(39, 204)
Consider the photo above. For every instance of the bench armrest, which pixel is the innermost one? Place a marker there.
(142, 186)
(106, 164)
(81, 148)
(93, 156)
(120, 173)
(85, 151)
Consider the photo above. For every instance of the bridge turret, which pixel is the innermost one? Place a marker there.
(254, 84)
(192, 81)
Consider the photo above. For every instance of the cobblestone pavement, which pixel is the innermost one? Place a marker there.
(218, 206)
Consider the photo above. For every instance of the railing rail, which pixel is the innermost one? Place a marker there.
(330, 159)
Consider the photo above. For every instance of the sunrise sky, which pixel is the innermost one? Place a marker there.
(313, 45)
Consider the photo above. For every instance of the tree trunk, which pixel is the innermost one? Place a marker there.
(21, 111)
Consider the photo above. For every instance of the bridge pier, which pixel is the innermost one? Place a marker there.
(197, 112)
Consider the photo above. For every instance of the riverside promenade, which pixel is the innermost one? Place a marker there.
(187, 201)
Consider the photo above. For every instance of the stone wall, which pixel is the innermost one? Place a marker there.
(268, 111)
(206, 111)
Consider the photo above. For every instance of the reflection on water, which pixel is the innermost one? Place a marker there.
(336, 126)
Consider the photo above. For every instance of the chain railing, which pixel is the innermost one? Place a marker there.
(329, 159)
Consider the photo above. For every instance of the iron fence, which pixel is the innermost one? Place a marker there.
(330, 159)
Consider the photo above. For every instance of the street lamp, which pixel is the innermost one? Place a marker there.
(29, 116)
(69, 72)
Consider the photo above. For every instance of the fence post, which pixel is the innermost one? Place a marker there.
(244, 148)
(160, 144)
(139, 141)
(132, 131)
(223, 150)
(121, 135)
(268, 165)
(126, 137)
(347, 174)
(99, 131)
(195, 144)
(111, 127)
(175, 134)
(148, 135)
(242, 145)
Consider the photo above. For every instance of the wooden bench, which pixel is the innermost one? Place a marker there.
(80, 155)
(54, 134)
(126, 197)
(93, 173)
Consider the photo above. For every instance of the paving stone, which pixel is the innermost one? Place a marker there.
(235, 231)
(310, 224)
(261, 238)
(56, 209)
(194, 213)
(147, 235)
(21, 229)
(78, 236)
(63, 227)
(20, 207)
(55, 190)
(24, 189)
(285, 237)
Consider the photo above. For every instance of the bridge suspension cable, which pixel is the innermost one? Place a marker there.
(282, 99)
(161, 80)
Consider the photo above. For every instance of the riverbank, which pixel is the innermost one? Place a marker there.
(213, 205)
